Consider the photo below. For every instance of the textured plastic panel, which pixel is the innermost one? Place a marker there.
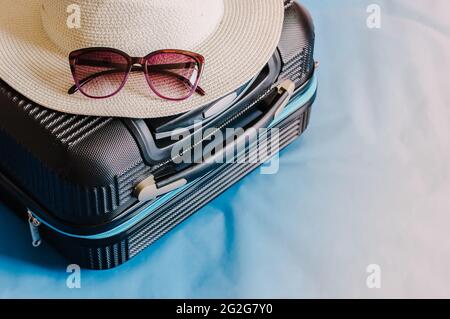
(297, 44)
(82, 168)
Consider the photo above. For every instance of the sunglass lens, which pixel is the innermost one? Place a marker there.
(100, 74)
(173, 76)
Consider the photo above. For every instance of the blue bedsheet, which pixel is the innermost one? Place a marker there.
(369, 183)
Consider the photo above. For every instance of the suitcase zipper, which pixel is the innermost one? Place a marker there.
(34, 224)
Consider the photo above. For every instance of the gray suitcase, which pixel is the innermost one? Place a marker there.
(103, 189)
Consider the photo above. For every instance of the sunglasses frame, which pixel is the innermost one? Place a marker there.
(136, 61)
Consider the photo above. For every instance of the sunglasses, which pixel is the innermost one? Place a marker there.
(101, 73)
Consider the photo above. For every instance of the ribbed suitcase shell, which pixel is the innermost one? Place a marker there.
(101, 254)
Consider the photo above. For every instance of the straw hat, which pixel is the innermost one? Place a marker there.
(237, 38)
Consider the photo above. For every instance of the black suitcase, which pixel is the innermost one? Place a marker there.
(103, 189)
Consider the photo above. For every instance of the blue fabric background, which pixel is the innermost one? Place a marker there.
(367, 184)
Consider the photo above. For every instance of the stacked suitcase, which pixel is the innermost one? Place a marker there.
(78, 179)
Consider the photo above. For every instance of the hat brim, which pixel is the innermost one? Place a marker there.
(236, 52)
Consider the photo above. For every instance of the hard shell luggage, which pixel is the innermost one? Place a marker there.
(103, 189)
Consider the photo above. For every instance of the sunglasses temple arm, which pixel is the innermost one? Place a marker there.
(91, 77)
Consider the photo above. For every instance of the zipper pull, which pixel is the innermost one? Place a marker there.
(34, 229)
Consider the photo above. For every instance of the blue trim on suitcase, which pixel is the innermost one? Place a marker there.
(302, 99)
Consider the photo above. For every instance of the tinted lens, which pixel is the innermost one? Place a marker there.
(100, 74)
(173, 76)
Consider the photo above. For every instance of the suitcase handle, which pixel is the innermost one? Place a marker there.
(149, 189)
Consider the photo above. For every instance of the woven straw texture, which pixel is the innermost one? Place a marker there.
(34, 54)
